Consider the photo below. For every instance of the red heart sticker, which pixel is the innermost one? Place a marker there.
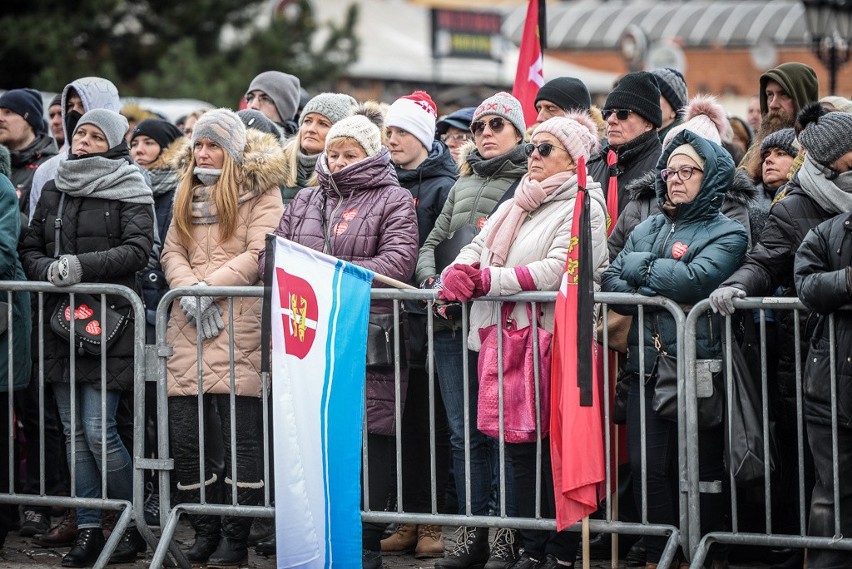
(679, 250)
(83, 311)
(93, 327)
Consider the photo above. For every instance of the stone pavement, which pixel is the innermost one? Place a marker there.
(21, 553)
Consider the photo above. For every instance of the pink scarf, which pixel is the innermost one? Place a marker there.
(528, 197)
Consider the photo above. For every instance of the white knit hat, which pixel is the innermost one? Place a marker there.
(575, 131)
(705, 117)
(415, 113)
(359, 128)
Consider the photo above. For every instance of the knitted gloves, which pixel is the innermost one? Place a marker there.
(65, 271)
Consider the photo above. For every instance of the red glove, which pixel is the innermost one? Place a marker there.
(482, 283)
(458, 282)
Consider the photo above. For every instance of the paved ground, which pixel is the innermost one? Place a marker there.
(22, 553)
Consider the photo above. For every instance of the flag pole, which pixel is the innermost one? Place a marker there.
(392, 282)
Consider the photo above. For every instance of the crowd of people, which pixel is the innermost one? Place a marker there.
(687, 202)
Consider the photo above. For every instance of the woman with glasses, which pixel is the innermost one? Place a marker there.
(454, 130)
(489, 169)
(705, 117)
(524, 247)
(682, 253)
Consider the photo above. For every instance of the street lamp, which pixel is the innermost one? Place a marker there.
(830, 26)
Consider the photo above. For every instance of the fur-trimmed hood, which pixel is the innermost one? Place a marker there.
(174, 156)
(742, 190)
(264, 163)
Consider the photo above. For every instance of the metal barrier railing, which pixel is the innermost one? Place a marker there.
(699, 544)
(128, 510)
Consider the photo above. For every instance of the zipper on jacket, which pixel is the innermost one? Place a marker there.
(666, 240)
(475, 207)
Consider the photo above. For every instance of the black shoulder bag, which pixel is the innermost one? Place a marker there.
(89, 331)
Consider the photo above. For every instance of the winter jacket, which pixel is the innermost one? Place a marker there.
(643, 203)
(25, 162)
(541, 247)
(824, 282)
(653, 261)
(95, 93)
(112, 241)
(225, 262)
(470, 201)
(360, 214)
(20, 326)
(635, 159)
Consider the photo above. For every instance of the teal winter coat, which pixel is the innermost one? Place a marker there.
(683, 257)
(20, 326)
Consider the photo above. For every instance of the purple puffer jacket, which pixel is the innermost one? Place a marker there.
(362, 215)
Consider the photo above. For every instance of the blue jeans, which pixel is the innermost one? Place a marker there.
(87, 456)
(449, 348)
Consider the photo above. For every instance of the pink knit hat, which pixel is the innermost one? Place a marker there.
(705, 117)
(576, 131)
(415, 113)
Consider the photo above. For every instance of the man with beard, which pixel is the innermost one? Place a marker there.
(784, 91)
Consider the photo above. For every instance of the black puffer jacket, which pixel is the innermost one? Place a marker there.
(112, 241)
(635, 159)
(769, 264)
(822, 277)
(643, 204)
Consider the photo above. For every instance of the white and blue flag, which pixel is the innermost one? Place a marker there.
(320, 308)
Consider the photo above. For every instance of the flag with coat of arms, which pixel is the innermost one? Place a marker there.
(320, 308)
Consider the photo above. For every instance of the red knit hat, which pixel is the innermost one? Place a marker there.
(415, 113)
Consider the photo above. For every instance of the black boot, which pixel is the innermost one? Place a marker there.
(129, 547)
(87, 547)
(207, 528)
(504, 549)
(469, 551)
(233, 547)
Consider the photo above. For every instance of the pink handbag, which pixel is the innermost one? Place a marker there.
(519, 407)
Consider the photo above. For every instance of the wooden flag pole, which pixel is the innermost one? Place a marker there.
(392, 282)
(586, 542)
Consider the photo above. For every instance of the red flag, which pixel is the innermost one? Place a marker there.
(530, 75)
(576, 430)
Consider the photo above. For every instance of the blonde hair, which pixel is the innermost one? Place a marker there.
(291, 174)
(225, 197)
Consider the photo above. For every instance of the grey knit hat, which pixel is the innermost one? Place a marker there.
(503, 105)
(672, 86)
(638, 92)
(113, 125)
(360, 128)
(284, 90)
(223, 127)
(333, 106)
(825, 135)
(258, 121)
(785, 139)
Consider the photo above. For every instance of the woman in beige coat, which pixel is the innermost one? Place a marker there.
(226, 203)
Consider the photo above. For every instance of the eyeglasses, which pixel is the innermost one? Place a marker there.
(620, 114)
(455, 137)
(496, 125)
(544, 149)
(684, 173)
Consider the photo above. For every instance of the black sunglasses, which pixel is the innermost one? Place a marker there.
(496, 124)
(544, 149)
(620, 114)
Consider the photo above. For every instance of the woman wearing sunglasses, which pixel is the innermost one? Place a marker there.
(683, 253)
(489, 168)
(524, 246)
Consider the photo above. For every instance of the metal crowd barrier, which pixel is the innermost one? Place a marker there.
(126, 510)
(770, 537)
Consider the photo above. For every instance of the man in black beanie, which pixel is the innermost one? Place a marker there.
(632, 147)
(559, 96)
(673, 97)
(23, 132)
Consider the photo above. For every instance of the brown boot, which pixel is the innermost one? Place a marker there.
(402, 541)
(650, 565)
(62, 534)
(429, 542)
(108, 518)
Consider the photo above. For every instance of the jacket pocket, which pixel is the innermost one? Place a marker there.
(817, 383)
